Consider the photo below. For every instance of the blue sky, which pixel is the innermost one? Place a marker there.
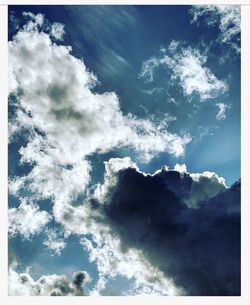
(161, 87)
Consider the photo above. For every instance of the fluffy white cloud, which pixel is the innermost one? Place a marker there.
(22, 284)
(66, 120)
(221, 115)
(57, 30)
(54, 242)
(27, 219)
(226, 16)
(187, 65)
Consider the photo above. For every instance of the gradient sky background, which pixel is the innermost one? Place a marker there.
(116, 43)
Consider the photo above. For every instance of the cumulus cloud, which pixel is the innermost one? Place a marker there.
(152, 229)
(27, 219)
(227, 17)
(173, 233)
(66, 120)
(22, 284)
(187, 65)
(221, 115)
(197, 248)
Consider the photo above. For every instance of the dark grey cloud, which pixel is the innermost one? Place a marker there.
(198, 248)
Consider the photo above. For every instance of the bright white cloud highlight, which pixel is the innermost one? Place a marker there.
(181, 168)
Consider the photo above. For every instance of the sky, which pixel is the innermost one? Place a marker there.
(124, 150)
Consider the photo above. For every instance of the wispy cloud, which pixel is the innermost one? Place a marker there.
(227, 17)
(221, 115)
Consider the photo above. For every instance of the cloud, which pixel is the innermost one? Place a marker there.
(221, 115)
(57, 30)
(195, 246)
(22, 284)
(66, 121)
(27, 219)
(54, 242)
(204, 186)
(181, 168)
(147, 69)
(112, 261)
(187, 66)
(226, 17)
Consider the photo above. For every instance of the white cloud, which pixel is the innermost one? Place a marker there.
(67, 121)
(22, 284)
(34, 22)
(57, 30)
(226, 16)
(221, 115)
(54, 242)
(27, 219)
(112, 261)
(181, 168)
(187, 65)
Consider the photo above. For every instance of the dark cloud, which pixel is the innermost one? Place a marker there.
(78, 281)
(198, 248)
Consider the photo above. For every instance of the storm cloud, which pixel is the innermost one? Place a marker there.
(198, 248)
